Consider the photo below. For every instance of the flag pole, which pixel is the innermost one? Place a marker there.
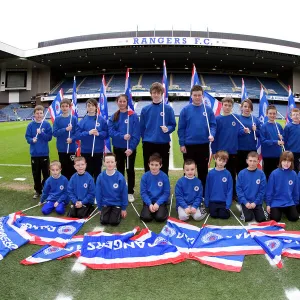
(69, 133)
(42, 121)
(253, 125)
(282, 146)
(138, 215)
(171, 205)
(127, 142)
(30, 207)
(94, 135)
(239, 121)
(164, 110)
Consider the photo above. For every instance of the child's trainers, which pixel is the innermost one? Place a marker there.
(36, 195)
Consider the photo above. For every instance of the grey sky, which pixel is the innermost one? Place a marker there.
(25, 23)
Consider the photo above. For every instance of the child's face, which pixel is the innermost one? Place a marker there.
(156, 96)
(91, 108)
(80, 167)
(227, 107)
(154, 167)
(295, 117)
(189, 170)
(246, 110)
(197, 97)
(122, 103)
(65, 108)
(271, 114)
(252, 162)
(55, 171)
(39, 115)
(220, 163)
(110, 163)
(286, 164)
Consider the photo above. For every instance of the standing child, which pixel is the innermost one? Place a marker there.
(156, 127)
(282, 190)
(65, 129)
(93, 125)
(55, 191)
(38, 134)
(291, 134)
(117, 127)
(111, 193)
(155, 191)
(271, 141)
(251, 188)
(188, 193)
(218, 188)
(81, 190)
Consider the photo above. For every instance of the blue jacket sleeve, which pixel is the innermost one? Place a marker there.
(56, 130)
(229, 191)
(166, 194)
(64, 195)
(46, 135)
(99, 192)
(112, 129)
(143, 191)
(75, 132)
(136, 134)
(181, 128)
(270, 189)
(296, 191)
(212, 123)
(239, 189)
(207, 190)
(71, 191)
(46, 191)
(198, 198)
(28, 134)
(103, 134)
(90, 196)
(261, 191)
(179, 195)
(265, 137)
(124, 195)
(171, 121)
(142, 124)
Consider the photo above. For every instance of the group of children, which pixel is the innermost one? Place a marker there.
(233, 141)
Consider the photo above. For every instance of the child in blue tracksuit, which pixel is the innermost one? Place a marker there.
(111, 193)
(156, 127)
(218, 188)
(81, 190)
(188, 193)
(38, 135)
(226, 138)
(291, 135)
(271, 141)
(251, 188)
(65, 130)
(155, 191)
(55, 191)
(90, 126)
(282, 194)
(124, 141)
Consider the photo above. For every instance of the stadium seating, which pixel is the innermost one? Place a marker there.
(183, 81)
(218, 83)
(90, 85)
(273, 84)
(252, 84)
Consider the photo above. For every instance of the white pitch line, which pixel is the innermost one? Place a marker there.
(1, 177)
(292, 294)
(20, 179)
(13, 165)
(63, 297)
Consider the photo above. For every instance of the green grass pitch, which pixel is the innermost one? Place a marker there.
(187, 280)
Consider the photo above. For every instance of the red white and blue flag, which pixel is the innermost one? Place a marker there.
(115, 251)
(49, 230)
(104, 112)
(11, 237)
(54, 108)
(244, 94)
(128, 94)
(165, 84)
(291, 105)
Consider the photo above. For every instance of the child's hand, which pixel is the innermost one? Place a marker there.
(193, 210)
(155, 207)
(34, 139)
(78, 204)
(123, 214)
(280, 136)
(127, 137)
(254, 127)
(40, 203)
(164, 129)
(69, 141)
(55, 204)
(253, 205)
(182, 149)
(38, 131)
(248, 205)
(280, 143)
(246, 130)
(128, 152)
(268, 209)
(151, 208)
(211, 138)
(187, 211)
(93, 132)
(69, 128)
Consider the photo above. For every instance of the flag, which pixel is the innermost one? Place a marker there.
(165, 84)
(244, 94)
(291, 105)
(74, 110)
(11, 237)
(104, 112)
(262, 116)
(49, 230)
(128, 94)
(54, 108)
(209, 100)
(115, 251)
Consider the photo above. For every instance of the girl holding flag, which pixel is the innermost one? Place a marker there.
(65, 130)
(124, 129)
(92, 132)
(248, 135)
